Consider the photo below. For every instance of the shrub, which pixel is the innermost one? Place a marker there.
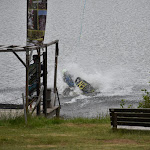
(146, 100)
(122, 103)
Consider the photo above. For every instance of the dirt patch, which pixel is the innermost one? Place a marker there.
(41, 146)
(57, 134)
(120, 141)
(52, 134)
(80, 125)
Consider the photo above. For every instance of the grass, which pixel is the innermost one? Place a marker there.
(71, 134)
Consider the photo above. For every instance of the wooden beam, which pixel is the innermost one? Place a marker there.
(8, 50)
(10, 106)
(51, 43)
(19, 58)
(39, 99)
(144, 110)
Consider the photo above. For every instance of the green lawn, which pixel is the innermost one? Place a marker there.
(73, 134)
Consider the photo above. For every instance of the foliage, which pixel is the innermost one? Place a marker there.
(122, 103)
(146, 100)
(145, 103)
(130, 106)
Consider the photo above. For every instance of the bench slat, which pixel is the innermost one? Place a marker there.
(122, 123)
(143, 124)
(129, 114)
(133, 119)
(145, 110)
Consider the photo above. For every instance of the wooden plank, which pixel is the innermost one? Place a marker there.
(129, 114)
(50, 110)
(128, 119)
(33, 99)
(51, 43)
(144, 110)
(18, 48)
(135, 119)
(143, 124)
(10, 106)
(6, 50)
(39, 99)
(125, 123)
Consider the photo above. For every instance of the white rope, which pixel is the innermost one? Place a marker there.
(82, 20)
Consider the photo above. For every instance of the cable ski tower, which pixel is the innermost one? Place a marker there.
(36, 94)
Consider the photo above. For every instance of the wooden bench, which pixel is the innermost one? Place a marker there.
(130, 117)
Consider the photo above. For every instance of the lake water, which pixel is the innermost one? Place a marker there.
(104, 42)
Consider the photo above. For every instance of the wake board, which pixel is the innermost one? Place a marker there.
(84, 86)
(69, 92)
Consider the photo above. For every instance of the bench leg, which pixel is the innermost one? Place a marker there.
(114, 119)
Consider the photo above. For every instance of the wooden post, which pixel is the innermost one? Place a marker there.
(27, 78)
(18, 57)
(24, 107)
(45, 81)
(30, 55)
(38, 80)
(57, 112)
(55, 73)
(48, 99)
(114, 120)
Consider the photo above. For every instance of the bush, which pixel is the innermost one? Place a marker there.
(146, 100)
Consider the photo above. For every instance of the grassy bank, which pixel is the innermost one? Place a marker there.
(72, 134)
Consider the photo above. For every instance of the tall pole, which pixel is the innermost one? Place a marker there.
(27, 78)
(27, 20)
(55, 73)
(45, 81)
(39, 80)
